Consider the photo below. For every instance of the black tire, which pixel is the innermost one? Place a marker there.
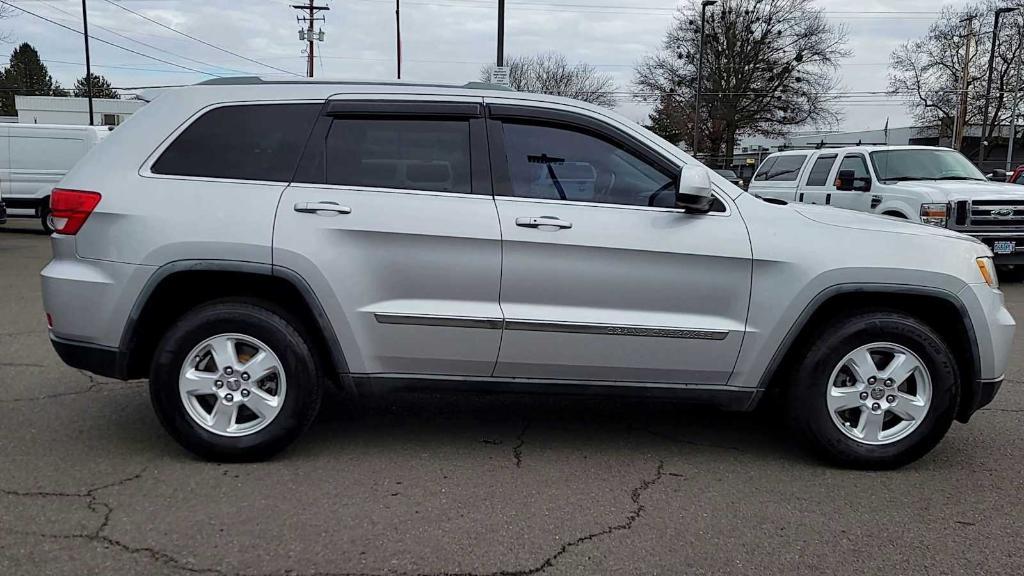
(44, 217)
(274, 328)
(807, 402)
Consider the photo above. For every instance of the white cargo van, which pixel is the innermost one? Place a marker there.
(34, 157)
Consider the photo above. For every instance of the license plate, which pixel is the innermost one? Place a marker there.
(1004, 246)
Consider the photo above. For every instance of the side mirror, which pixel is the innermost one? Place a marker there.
(999, 175)
(694, 192)
(844, 181)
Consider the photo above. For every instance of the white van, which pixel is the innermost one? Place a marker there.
(34, 157)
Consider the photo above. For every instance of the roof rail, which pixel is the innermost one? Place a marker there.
(257, 80)
(824, 144)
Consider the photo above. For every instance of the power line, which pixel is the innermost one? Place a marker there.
(204, 42)
(116, 66)
(157, 48)
(107, 42)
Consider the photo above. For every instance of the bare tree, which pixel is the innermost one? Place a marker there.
(928, 72)
(551, 73)
(769, 66)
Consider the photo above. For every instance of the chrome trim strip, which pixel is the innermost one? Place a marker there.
(616, 330)
(446, 321)
(542, 326)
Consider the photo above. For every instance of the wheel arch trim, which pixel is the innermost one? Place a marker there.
(167, 270)
(815, 304)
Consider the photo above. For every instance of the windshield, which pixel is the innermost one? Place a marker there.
(923, 164)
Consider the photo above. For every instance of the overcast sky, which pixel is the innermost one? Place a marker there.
(443, 40)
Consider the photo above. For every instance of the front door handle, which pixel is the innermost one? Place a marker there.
(540, 221)
(322, 208)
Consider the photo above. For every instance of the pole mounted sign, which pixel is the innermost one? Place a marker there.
(499, 76)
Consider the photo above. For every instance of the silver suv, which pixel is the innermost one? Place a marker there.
(244, 243)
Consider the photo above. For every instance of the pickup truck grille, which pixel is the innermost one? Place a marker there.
(997, 213)
(979, 215)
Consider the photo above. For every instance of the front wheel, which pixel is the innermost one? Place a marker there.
(235, 381)
(877, 390)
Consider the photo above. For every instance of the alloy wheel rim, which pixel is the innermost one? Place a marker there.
(879, 393)
(232, 385)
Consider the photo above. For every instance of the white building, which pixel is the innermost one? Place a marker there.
(60, 110)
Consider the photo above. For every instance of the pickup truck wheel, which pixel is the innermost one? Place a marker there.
(234, 381)
(44, 217)
(876, 391)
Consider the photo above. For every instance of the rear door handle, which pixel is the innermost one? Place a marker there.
(539, 221)
(331, 208)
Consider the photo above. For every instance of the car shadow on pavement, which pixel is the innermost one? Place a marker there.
(563, 422)
(8, 229)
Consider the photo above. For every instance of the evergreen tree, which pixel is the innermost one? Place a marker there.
(101, 88)
(26, 75)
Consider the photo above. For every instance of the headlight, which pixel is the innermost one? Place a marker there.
(934, 214)
(988, 271)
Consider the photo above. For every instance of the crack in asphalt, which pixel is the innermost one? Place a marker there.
(91, 388)
(106, 510)
(94, 384)
(171, 561)
(517, 450)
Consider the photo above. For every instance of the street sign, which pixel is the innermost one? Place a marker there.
(499, 76)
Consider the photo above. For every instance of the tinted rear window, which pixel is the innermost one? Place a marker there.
(786, 168)
(762, 172)
(250, 142)
(402, 154)
(821, 169)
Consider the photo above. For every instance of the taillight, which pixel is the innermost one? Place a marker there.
(69, 209)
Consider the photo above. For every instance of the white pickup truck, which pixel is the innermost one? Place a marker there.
(936, 186)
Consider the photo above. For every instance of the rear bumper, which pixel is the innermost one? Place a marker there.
(99, 360)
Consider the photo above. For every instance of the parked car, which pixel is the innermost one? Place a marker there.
(244, 242)
(34, 157)
(935, 186)
(1017, 177)
(3, 212)
(731, 177)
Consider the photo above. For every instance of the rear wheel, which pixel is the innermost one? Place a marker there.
(877, 390)
(235, 381)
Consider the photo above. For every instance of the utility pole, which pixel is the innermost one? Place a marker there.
(1013, 114)
(309, 34)
(960, 123)
(398, 36)
(501, 33)
(988, 85)
(88, 63)
(700, 76)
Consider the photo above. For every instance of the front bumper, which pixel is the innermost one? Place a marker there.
(977, 397)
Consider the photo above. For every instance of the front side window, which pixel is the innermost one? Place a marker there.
(859, 166)
(563, 164)
(248, 142)
(431, 155)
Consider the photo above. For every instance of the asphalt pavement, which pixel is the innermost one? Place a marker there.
(431, 484)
